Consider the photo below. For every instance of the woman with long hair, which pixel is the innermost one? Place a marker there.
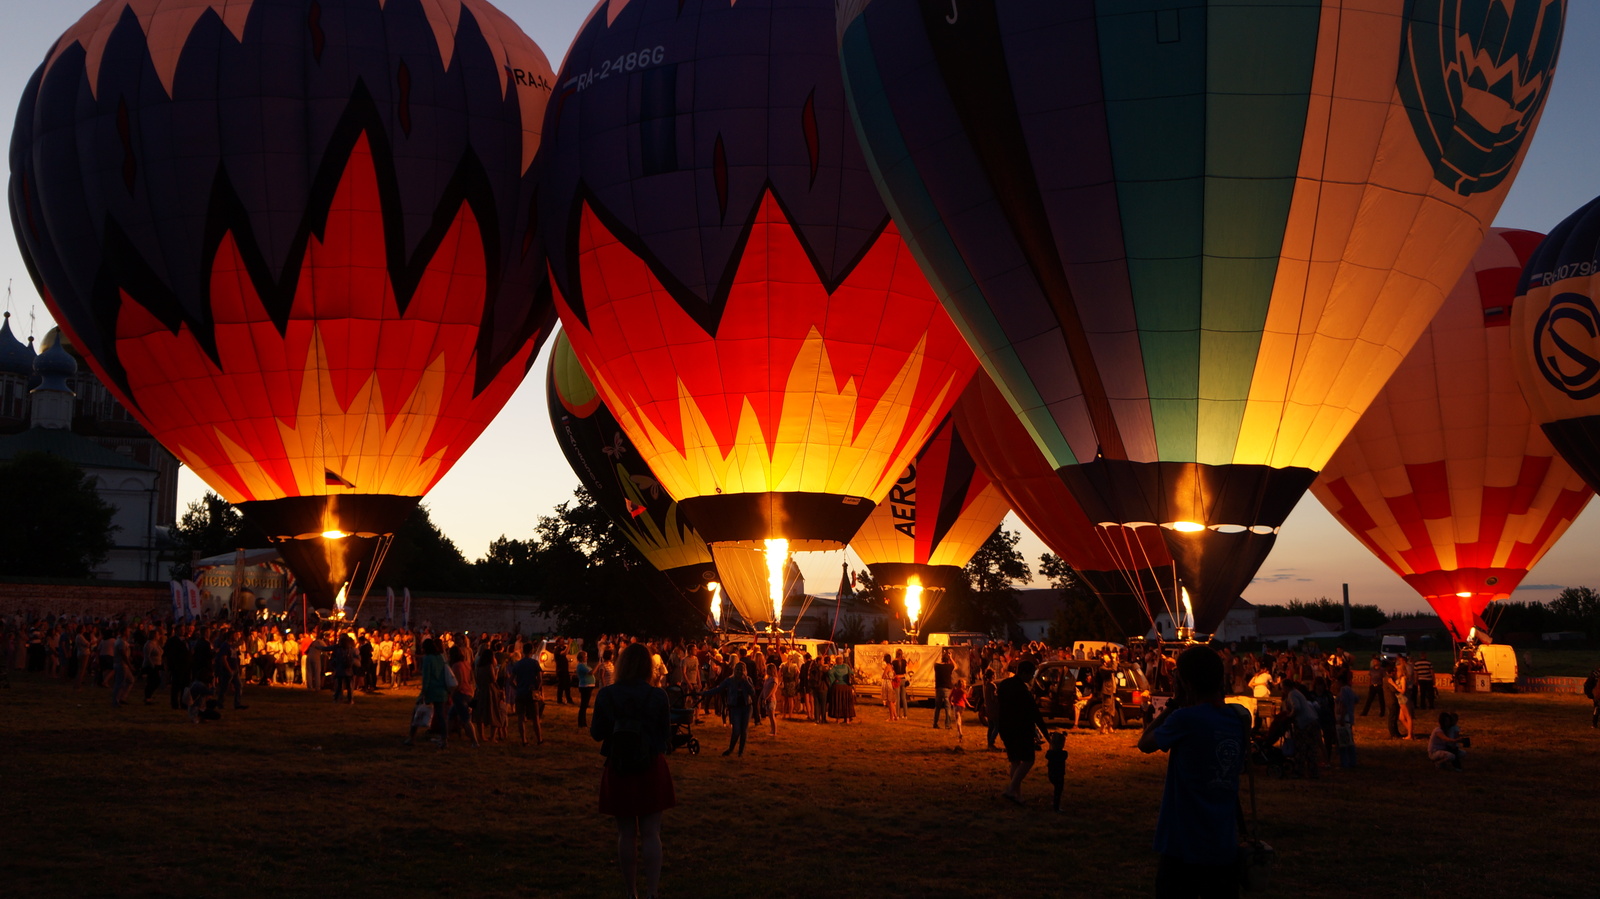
(435, 689)
(889, 687)
(769, 692)
(841, 696)
(631, 718)
(461, 697)
(738, 696)
(488, 712)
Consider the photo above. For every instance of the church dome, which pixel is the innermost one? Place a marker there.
(16, 358)
(54, 361)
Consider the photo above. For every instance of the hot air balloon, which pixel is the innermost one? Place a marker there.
(292, 237)
(1447, 478)
(1127, 568)
(727, 274)
(1191, 243)
(936, 517)
(609, 467)
(1555, 339)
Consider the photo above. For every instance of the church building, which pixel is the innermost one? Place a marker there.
(51, 402)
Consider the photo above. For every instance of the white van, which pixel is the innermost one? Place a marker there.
(1392, 647)
(1500, 660)
(817, 648)
(958, 638)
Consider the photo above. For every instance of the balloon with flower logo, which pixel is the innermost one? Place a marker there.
(1191, 241)
(293, 237)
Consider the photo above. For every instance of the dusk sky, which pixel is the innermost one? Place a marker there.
(515, 472)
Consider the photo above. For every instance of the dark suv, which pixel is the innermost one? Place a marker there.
(1058, 686)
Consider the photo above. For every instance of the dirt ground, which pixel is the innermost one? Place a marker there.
(298, 796)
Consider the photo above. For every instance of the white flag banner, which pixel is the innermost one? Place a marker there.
(179, 604)
(192, 592)
(408, 607)
(390, 616)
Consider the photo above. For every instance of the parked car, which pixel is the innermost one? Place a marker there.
(1057, 686)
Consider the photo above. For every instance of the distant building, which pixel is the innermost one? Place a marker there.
(1037, 610)
(1242, 623)
(50, 402)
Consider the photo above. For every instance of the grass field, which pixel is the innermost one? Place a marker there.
(297, 796)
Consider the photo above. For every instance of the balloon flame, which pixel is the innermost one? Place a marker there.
(1464, 594)
(914, 603)
(1188, 609)
(777, 555)
(716, 602)
(335, 534)
(1187, 527)
(338, 601)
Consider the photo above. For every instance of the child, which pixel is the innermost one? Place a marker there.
(958, 705)
(1055, 760)
(1445, 744)
(202, 705)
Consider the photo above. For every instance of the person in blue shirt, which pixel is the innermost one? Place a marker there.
(1206, 742)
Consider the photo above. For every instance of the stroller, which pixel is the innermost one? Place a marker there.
(681, 717)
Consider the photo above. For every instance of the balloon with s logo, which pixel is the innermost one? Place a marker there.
(1191, 241)
(1555, 333)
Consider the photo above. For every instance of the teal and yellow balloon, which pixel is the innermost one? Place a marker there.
(1190, 241)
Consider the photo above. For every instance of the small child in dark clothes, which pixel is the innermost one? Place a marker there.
(1055, 760)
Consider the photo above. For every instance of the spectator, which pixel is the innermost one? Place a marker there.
(527, 684)
(990, 703)
(1019, 719)
(738, 695)
(1055, 765)
(943, 670)
(585, 676)
(888, 688)
(1197, 832)
(1375, 691)
(435, 689)
(1422, 676)
(1347, 720)
(624, 713)
(1446, 747)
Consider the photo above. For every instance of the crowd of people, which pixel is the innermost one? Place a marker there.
(630, 691)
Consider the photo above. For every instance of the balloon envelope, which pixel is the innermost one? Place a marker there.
(1128, 568)
(934, 520)
(1555, 336)
(727, 273)
(1447, 477)
(609, 467)
(291, 237)
(1191, 244)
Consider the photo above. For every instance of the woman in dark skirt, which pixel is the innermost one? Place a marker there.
(636, 799)
(841, 696)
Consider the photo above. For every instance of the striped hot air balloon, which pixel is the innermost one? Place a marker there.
(1127, 568)
(729, 277)
(936, 517)
(1191, 241)
(292, 237)
(1447, 477)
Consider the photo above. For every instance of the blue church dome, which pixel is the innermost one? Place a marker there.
(54, 365)
(16, 358)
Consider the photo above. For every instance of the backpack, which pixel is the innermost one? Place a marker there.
(1588, 685)
(627, 749)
